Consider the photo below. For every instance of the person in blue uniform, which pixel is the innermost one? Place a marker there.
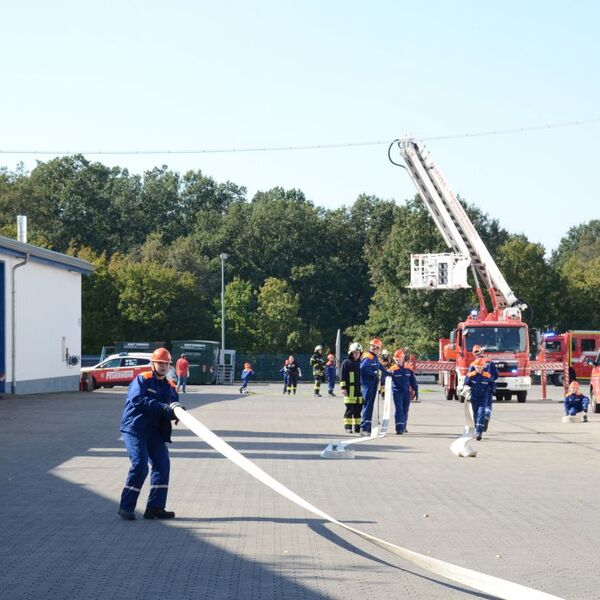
(490, 367)
(284, 372)
(369, 379)
(246, 374)
(576, 402)
(403, 383)
(330, 373)
(146, 428)
(479, 382)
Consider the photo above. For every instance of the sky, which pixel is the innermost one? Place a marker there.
(133, 76)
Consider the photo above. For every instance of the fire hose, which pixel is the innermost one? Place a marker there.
(501, 588)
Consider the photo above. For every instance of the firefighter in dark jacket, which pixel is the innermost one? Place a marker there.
(317, 362)
(146, 427)
(350, 386)
(479, 381)
(403, 382)
(369, 378)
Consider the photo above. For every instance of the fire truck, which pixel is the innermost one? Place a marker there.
(500, 331)
(577, 348)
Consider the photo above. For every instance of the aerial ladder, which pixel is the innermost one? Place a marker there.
(449, 271)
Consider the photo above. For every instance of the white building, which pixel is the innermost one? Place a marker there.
(40, 318)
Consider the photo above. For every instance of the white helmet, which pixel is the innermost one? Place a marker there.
(318, 348)
(384, 353)
(355, 347)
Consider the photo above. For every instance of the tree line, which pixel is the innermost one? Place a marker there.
(295, 272)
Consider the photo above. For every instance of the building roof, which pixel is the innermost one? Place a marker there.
(45, 256)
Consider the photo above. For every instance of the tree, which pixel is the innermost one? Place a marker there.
(240, 315)
(278, 322)
(157, 303)
(533, 280)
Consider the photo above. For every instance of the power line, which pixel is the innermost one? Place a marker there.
(308, 146)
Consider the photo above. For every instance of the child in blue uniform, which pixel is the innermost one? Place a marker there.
(480, 382)
(330, 373)
(576, 402)
(403, 380)
(246, 374)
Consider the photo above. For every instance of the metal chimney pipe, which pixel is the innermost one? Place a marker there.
(22, 228)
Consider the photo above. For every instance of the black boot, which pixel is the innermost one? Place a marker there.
(158, 513)
(127, 516)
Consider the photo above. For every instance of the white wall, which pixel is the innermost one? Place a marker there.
(47, 322)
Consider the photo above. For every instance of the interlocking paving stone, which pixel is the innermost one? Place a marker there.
(525, 509)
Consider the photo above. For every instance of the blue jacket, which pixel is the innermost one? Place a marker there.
(403, 379)
(577, 401)
(246, 374)
(481, 384)
(147, 409)
(369, 367)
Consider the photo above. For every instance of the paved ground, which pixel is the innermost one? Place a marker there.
(525, 509)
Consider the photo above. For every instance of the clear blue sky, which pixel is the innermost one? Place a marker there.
(84, 76)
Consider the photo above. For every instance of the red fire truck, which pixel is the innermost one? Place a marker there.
(500, 331)
(577, 348)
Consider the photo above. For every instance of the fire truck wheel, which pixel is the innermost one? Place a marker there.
(557, 379)
(521, 396)
(449, 394)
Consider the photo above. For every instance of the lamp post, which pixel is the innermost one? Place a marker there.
(223, 258)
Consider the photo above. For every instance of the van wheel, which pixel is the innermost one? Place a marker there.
(521, 396)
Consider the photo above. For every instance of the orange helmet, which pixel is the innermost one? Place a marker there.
(161, 355)
(247, 365)
(477, 349)
(478, 362)
(376, 342)
(399, 355)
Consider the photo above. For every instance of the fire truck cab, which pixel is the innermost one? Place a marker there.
(505, 343)
(577, 348)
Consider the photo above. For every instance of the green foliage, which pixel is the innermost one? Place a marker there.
(296, 272)
(278, 320)
(240, 314)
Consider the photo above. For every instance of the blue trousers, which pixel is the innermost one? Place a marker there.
(369, 393)
(488, 406)
(285, 383)
(479, 405)
(330, 373)
(181, 382)
(402, 404)
(141, 450)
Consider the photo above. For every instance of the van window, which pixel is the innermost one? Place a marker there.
(588, 345)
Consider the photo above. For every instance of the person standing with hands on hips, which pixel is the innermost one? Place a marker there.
(146, 427)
